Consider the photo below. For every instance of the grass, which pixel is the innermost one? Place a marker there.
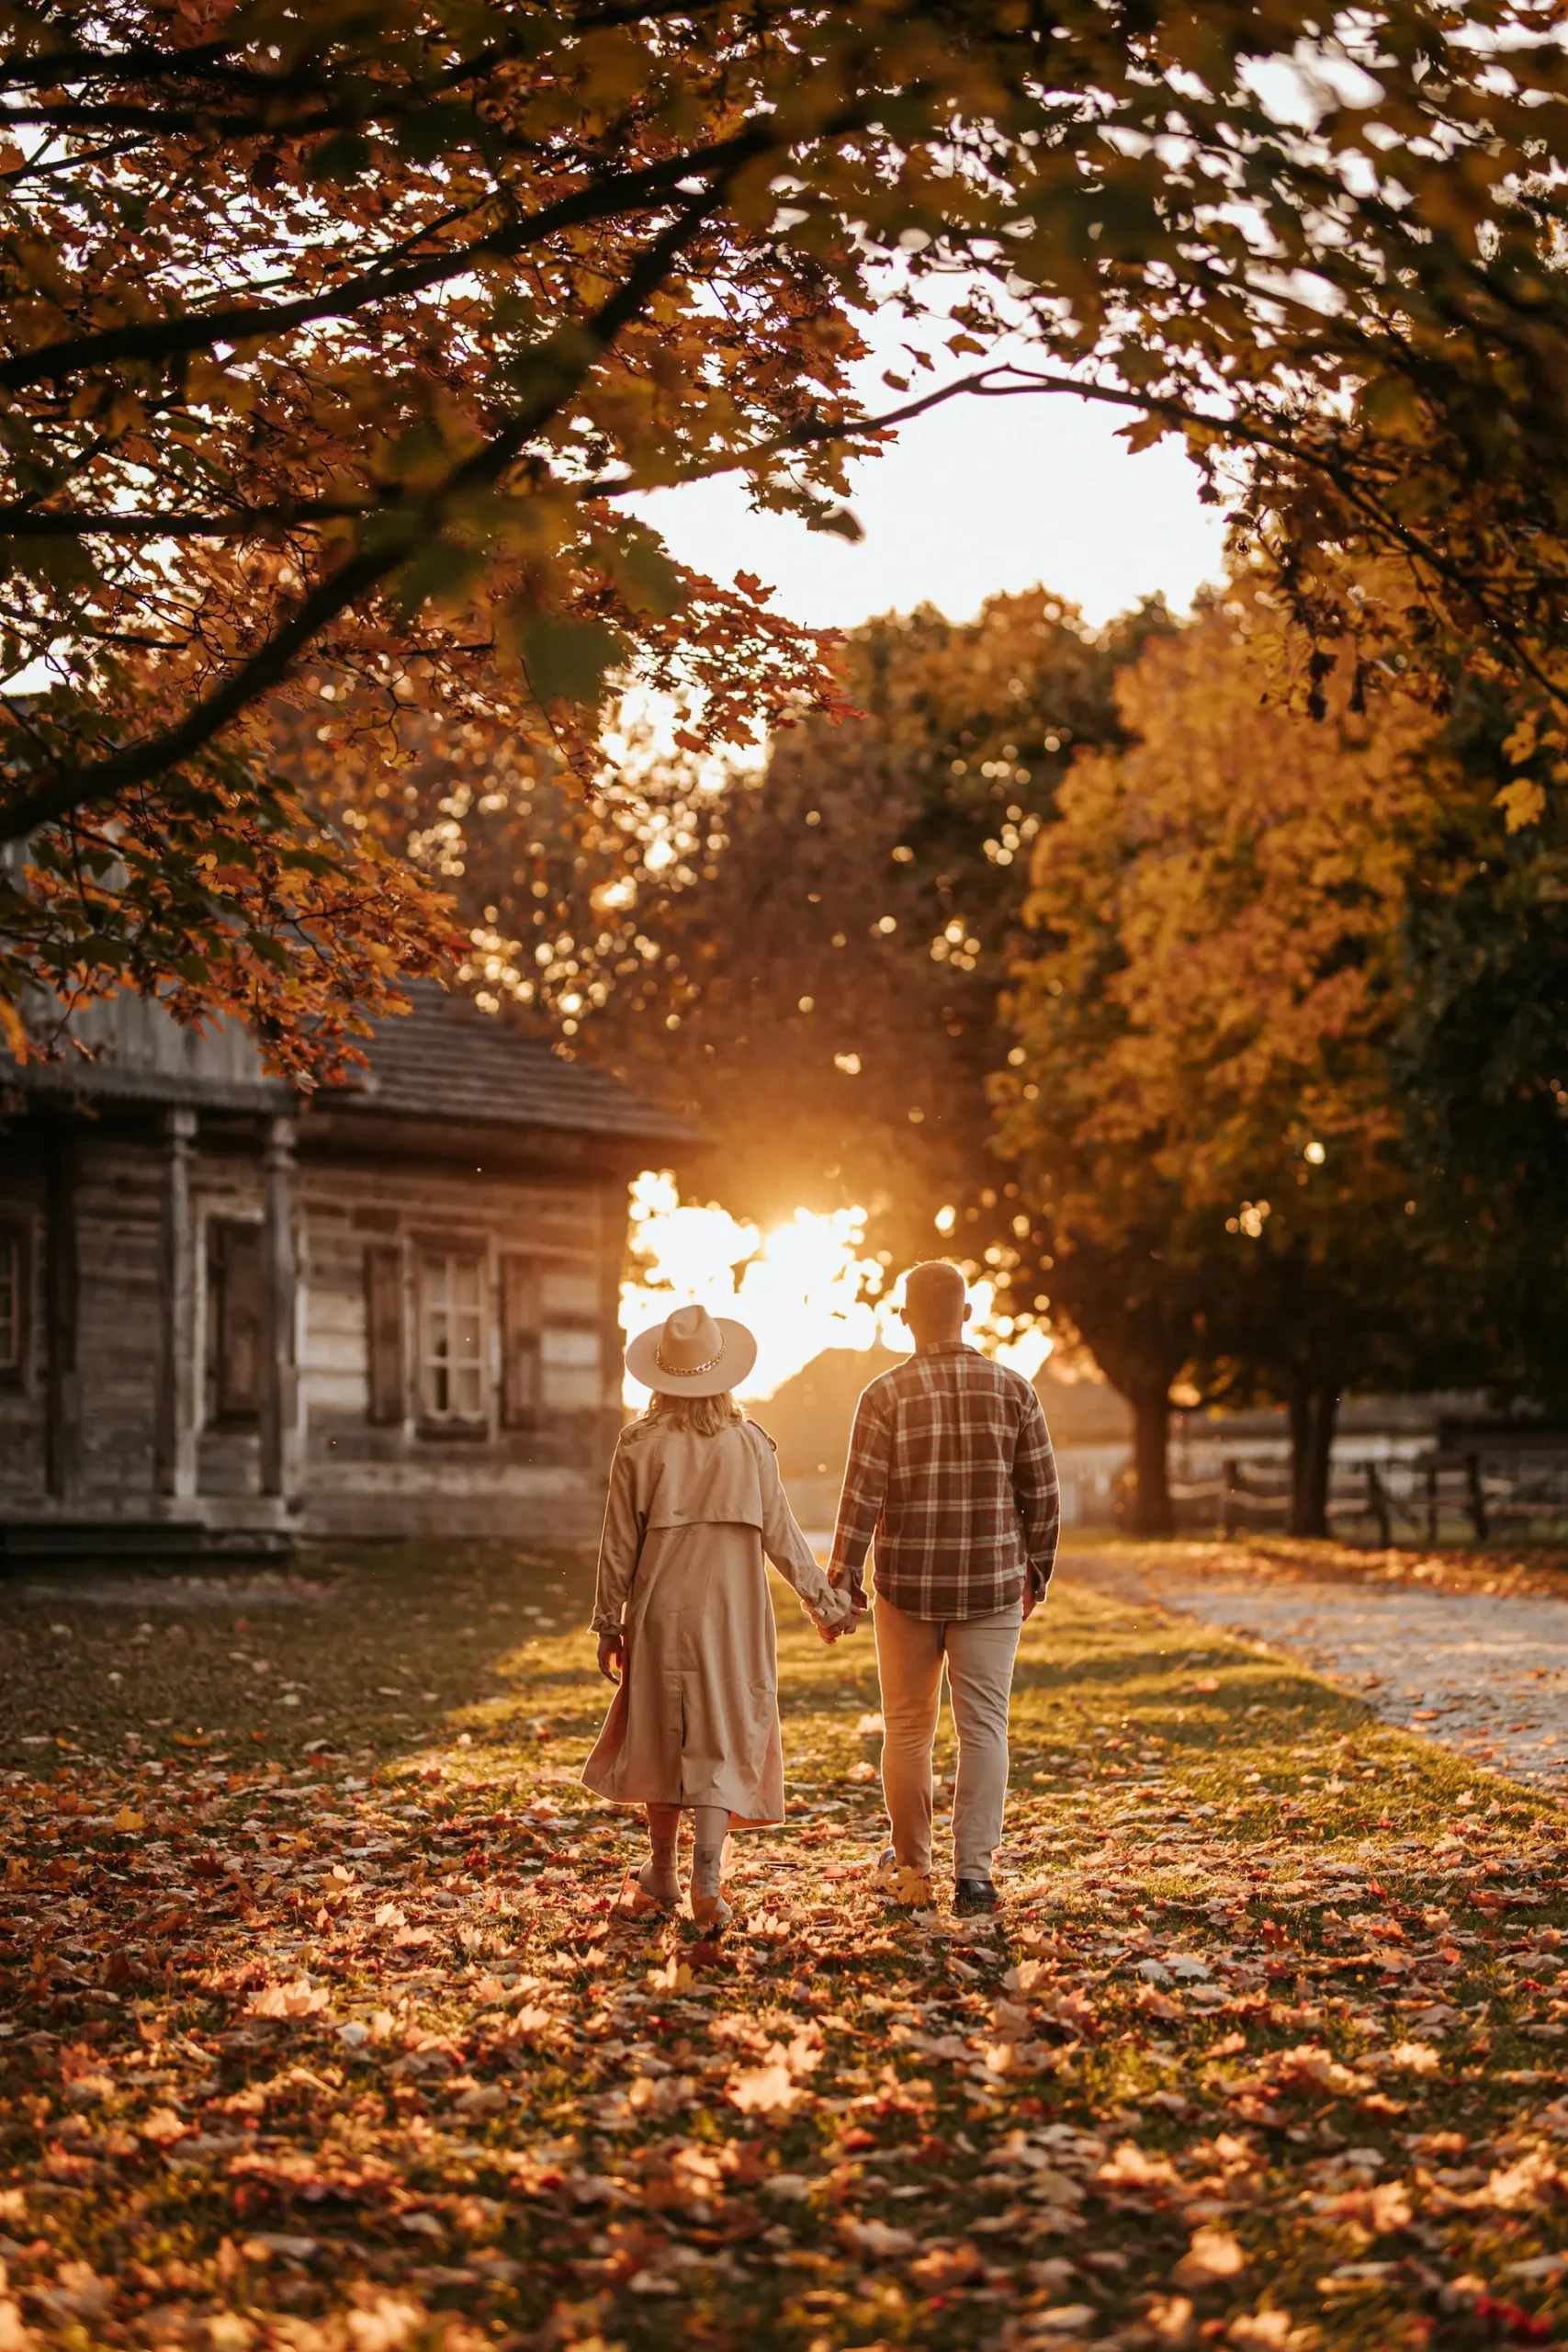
(324, 2031)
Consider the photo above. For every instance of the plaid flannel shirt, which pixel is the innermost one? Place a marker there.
(951, 1470)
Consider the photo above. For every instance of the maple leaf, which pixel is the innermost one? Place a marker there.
(761, 2090)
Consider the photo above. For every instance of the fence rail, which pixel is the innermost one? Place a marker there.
(1428, 1499)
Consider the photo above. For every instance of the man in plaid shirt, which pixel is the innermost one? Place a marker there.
(951, 1472)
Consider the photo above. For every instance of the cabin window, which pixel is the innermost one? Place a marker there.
(452, 1338)
(236, 1321)
(12, 1330)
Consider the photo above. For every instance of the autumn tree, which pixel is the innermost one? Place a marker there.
(1202, 1095)
(1477, 1060)
(807, 956)
(337, 343)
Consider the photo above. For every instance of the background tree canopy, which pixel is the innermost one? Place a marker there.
(1219, 1036)
(334, 342)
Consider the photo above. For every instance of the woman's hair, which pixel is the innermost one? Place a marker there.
(704, 1415)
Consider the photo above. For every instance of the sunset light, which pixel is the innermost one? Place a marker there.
(802, 1287)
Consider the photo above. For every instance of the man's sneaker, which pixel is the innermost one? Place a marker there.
(910, 1889)
(971, 1894)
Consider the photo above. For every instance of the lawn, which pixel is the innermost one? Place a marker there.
(320, 2028)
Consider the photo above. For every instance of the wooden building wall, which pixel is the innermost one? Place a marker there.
(81, 1436)
(397, 1476)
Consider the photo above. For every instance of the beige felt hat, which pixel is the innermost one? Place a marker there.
(691, 1353)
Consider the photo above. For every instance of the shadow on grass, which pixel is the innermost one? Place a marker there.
(383, 1649)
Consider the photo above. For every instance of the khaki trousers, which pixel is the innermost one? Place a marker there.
(978, 1653)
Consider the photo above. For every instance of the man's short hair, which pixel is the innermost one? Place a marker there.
(935, 1286)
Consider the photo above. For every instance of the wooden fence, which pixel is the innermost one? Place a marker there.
(1478, 1497)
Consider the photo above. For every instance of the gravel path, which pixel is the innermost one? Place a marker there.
(1486, 1675)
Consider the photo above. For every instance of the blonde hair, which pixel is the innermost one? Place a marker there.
(705, 1415)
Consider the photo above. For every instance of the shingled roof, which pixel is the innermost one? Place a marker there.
(446, 1060)
(443, 1061)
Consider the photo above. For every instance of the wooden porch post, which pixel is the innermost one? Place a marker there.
(280, 1388)
(177, 1390)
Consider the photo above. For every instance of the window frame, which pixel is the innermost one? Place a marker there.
(431, 1420)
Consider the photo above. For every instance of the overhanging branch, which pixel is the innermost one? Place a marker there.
(58, 795)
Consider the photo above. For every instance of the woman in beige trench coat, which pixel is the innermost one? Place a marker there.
(682, 1612)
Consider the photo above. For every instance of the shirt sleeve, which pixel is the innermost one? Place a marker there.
(1038, 1494)
(619, 1545)
(790, 1553)
(865, 1491)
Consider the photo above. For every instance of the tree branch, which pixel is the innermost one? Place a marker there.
(173, 338)
(136, 763)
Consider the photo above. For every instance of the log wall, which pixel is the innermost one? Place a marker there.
(85, 1429)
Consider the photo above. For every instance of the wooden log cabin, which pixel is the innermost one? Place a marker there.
(231, 1316)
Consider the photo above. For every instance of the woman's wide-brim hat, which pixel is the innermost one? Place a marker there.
(693, 1353)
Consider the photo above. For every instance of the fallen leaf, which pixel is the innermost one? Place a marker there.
(1213, 2255)
(762, 2089)
(877, 2238)
(300, 1999)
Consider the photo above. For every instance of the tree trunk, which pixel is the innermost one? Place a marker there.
(1152, 1511)
(1312, 1410)
(1326, 1408)
(1300, 1448)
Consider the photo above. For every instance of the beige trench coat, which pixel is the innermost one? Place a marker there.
(695, 1720)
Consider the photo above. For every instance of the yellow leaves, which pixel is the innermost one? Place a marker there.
(129, 1821)
(1522, 801)
(674, 1976)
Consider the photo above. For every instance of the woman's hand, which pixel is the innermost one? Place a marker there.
(611, 1656)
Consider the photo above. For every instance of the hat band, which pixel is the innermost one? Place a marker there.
(687, 1370)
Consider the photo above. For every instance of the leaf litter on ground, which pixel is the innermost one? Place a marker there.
(325, 2028)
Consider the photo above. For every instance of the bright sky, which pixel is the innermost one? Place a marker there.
(977, 496)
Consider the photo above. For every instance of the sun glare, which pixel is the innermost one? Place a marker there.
(802, 1287)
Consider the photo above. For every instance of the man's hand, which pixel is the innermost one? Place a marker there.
(1031, 1602)
(611, 1656)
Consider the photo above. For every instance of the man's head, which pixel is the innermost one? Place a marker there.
(936, 1306)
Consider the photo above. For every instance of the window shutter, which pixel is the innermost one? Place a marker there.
(384, 1332)
(520, 1372)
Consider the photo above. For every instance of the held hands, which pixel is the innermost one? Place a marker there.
(847, 1624)
(611, 1656)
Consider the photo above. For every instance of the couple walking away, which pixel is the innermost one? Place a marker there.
(951, 1484)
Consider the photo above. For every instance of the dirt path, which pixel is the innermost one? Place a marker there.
(1485, 1674)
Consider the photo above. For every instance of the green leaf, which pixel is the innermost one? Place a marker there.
(566, 660)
